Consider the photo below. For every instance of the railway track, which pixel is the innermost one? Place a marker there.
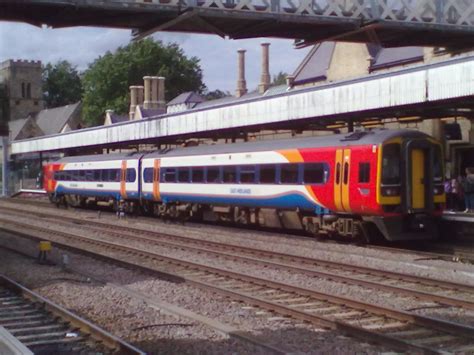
(390, 327)
(47, 328)
(430, 290)
(435, 251)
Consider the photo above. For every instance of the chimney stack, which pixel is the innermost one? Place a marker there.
(140, 95)
(154, 92)
(147, 92)
(241, 83)
(265, 78)
(134, 92)
(290, 79)
(161, 92)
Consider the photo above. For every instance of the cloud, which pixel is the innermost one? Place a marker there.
(82, 45)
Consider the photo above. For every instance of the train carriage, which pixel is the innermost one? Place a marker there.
(102, 177)
(387, 182)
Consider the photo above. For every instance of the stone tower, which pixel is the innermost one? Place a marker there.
(22, 82)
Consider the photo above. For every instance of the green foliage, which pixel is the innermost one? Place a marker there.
(216, 94)
(279, 79)
(106, 82)
(61, 84)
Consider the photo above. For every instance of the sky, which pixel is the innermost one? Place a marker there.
(81, 45)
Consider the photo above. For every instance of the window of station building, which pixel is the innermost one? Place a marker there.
(197, 174)
(247, 174)
(23, 90)
(213, 174)
(169, 175)
(183, 174)
(28, 91)
(148, 175)
(364, 173)
(229, 174)
(131, 175)
(315, 173)
(267, 173)
(289, 173)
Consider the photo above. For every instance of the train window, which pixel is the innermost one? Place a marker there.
(267, 173)
(391, 164)
(364, 172)
(97, 175)
(197, 174)
(148, 175)
(289, 173)
(213, 174)
(104, 175)
(229, 174)
(346, 173)
(315, 173)
(169, 174)
(338, 173)
(247, 174)
(89, 175)
(114, 175)
(82, 175)
(131, 175)
(183, 175)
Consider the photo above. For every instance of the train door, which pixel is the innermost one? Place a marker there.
(342, 180)
(123, 180)
(418, 179)
(156, 180)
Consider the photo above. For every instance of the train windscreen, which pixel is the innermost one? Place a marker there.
(391, 164)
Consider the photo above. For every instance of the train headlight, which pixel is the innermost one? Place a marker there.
(390, 190)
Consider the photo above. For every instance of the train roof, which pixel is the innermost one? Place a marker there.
(100, 157)
(336, 140)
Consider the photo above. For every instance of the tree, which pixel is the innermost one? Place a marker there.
(279, 79)
(216, 94)
(106, 82)
(61, 84)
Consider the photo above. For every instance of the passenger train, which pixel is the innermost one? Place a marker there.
(383, 182)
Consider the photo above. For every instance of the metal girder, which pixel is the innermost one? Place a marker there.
(400, 22)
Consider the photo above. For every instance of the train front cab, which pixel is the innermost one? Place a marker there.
(410, 188)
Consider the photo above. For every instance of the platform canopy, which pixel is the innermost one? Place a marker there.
(428, 91)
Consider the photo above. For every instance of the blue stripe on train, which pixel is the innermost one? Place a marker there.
(289, 201)
(99, 193)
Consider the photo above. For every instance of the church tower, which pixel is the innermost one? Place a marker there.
(22, 82)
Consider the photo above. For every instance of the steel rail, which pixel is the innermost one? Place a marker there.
(467, 302)
(457, 255)
(199, 274)
(38, 322)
